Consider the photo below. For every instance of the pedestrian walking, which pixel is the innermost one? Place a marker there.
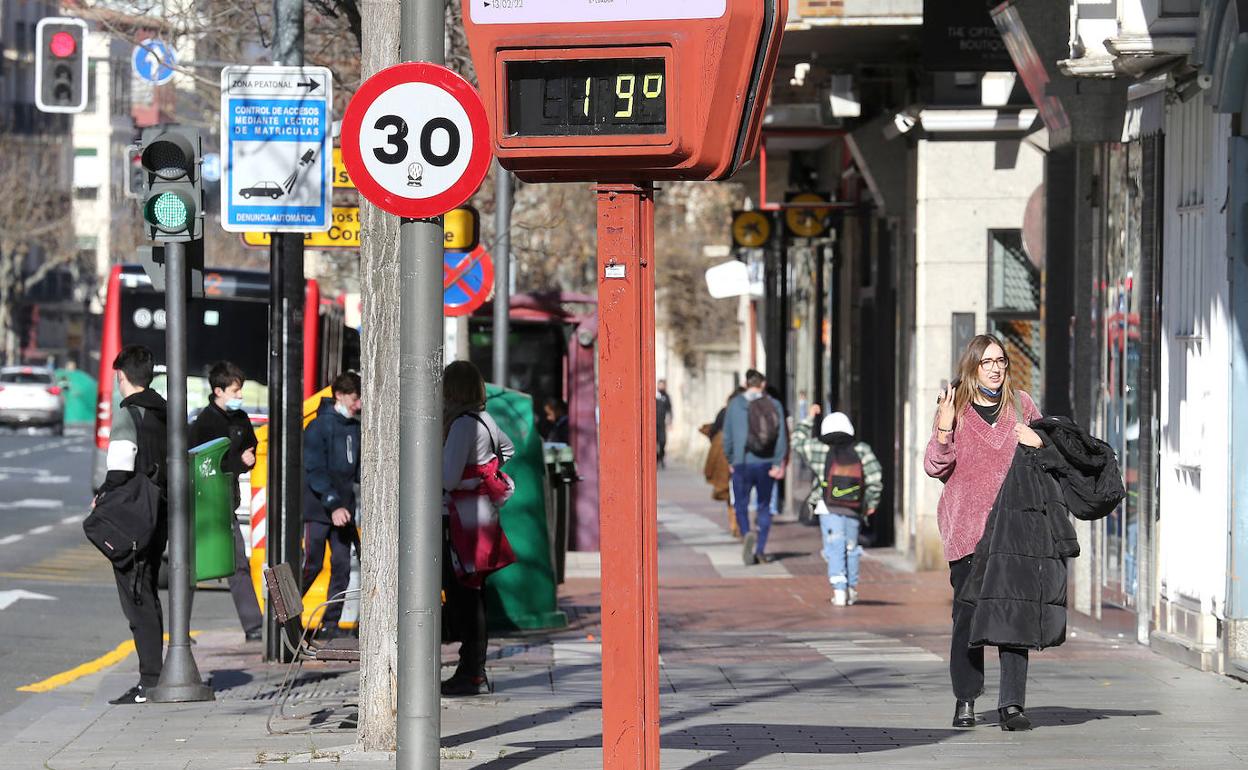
(137, 455)
(846, 491)
(331, 466)
(717, 471)
(755, 445)
(981, 419)
(474, 545)
(223, 417)
(663, 417)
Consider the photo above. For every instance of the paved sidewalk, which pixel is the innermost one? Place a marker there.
(758, 671)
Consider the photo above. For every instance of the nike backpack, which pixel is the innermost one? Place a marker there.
(842, 485)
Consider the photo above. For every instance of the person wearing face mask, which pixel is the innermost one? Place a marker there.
(331, 466)
(224, 417)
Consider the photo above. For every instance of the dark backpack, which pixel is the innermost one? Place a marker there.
(843, 476)
(124, 519)
(764, 427)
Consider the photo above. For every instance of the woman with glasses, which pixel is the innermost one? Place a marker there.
(980, 419)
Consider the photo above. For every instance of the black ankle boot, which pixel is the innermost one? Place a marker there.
(1013, 719)
(964, 714)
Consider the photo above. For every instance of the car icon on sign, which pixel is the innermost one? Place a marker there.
(270, 189)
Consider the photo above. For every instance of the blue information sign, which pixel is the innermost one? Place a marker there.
(277, 159)
(153, 61)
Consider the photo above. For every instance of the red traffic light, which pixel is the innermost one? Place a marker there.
(62, 45)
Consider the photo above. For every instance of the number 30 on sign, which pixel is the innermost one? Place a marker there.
(415, 140)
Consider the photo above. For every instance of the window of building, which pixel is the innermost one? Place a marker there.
(86, 193)
(1014, 307)
(90, 86)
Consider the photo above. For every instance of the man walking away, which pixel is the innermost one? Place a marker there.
(663, 413)
(755, 445)
(331, 464)
(224, 417)
(137, 444)
(847, 488)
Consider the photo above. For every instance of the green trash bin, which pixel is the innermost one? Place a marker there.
(523, 595)
(212, 508)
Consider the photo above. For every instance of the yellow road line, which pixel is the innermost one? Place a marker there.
(117, 655)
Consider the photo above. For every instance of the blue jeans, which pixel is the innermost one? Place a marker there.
(746, 477)
(841, 549)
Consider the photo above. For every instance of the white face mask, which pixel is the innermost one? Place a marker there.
(342, 410)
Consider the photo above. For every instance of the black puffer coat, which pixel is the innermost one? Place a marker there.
(1018, 581)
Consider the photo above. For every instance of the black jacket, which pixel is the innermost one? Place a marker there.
(214, 422)
(331, 463)
(1018, 579)
(150, 436)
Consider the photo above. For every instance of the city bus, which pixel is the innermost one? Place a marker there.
(231, 321)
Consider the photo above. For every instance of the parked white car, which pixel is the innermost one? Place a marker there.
(29, 395)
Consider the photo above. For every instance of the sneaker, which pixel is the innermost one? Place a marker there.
(852, 598)
(747, 548)
(136, 694)
(253, 636)
(839, 597)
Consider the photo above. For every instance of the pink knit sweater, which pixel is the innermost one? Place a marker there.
(973, 466)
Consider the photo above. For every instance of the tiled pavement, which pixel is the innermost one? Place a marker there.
(758, 671)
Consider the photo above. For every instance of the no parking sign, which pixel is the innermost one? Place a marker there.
(467, 281)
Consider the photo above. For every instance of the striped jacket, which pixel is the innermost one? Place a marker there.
(815, 453)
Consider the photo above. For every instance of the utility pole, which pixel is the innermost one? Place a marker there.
(503, 182)
(419, 724)
(286, 301)
(180, 679)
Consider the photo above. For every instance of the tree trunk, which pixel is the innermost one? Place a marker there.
(379, 283)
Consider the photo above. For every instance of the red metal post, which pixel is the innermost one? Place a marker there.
(629, 494)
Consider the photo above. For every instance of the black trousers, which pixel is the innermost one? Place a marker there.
(242, 590)
(463, 617)
(140, 601)
(966, 663)
(315, 535)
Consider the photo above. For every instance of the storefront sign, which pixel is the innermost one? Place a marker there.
(959, 35)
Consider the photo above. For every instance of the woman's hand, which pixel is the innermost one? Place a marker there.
(814, 411)
(1027, 436)
(944, 409)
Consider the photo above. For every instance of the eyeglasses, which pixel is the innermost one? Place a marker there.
(988, 364)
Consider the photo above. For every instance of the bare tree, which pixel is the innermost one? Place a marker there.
(379, 279)
(36, 224)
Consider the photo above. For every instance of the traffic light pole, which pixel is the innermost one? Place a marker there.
(285, 488)
(286, 309)
(180, 680)
(419, 723)
(630, 588)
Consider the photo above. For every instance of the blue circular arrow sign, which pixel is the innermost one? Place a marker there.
(154, 61)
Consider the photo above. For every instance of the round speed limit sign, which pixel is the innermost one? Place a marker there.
(415, 140)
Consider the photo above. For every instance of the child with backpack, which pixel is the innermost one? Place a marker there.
(847, 488)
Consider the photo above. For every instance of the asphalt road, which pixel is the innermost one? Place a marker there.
(45, 491)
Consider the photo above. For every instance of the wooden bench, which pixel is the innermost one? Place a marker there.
(287, 603)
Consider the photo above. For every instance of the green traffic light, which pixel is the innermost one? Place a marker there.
(168, 211)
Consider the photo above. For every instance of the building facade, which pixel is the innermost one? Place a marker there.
(1156, 300)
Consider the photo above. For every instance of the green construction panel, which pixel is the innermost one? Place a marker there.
(523, 596)
(81, 394)
(212, 504)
